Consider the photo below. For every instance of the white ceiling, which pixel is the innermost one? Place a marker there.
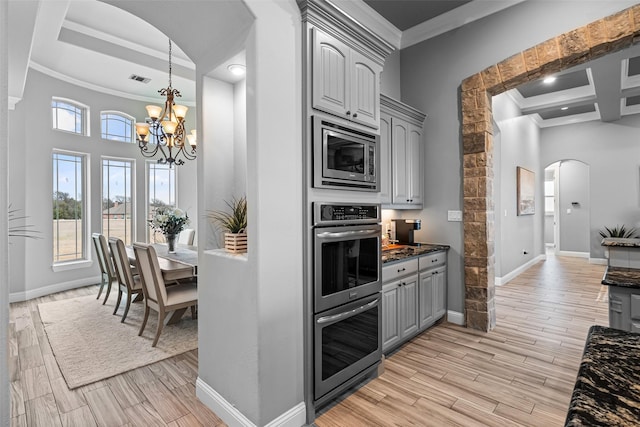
(98, 45)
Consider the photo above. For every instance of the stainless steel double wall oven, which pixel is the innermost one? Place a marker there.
(346, 288)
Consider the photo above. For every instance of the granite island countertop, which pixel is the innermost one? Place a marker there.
(395, 253)
(621, 242)
(607, 389)
(622, 276)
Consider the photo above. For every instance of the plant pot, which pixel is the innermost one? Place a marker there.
(235, 242)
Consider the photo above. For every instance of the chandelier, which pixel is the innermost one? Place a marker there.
(165, 130)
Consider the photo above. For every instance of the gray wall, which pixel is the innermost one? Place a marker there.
(574, 219)
(431, 74)
(612, 151)
(30, 179)
(390, 80)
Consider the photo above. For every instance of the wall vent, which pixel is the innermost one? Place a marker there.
(139, 78)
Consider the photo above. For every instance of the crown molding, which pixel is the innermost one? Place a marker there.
(395, 107)
(332, 19)
(455, 18)
(372, 20)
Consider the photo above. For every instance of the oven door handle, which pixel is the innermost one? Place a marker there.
(336, 317)
(356, 233)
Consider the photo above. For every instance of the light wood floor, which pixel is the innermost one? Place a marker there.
(522, 373)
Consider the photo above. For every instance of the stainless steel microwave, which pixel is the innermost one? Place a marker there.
(344, 158)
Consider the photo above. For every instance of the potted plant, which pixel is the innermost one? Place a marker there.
(170, 222)
(234, 224)
(616, 231)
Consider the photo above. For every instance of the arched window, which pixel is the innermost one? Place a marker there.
(116, 126)
(70, 116)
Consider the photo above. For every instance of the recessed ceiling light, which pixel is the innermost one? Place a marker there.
(564, 108)
(549, 80)
(237, 69)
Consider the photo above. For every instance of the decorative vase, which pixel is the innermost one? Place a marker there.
(171, 241)
(235, 242)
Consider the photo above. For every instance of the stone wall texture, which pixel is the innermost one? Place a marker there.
(583, 44)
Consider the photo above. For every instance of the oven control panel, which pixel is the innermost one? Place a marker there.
(343, 213)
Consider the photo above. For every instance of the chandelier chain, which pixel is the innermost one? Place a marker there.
(170, 64)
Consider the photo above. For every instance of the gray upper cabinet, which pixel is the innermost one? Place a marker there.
(402, 151)
(345, 82)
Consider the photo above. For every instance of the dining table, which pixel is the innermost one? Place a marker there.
(179, 265)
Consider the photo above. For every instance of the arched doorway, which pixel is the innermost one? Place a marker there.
(583, 44)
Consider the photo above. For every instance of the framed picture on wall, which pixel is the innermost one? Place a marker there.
(526, 184)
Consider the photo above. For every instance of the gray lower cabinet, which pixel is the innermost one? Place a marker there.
(413, 297)
(399, 311)
(624, 308)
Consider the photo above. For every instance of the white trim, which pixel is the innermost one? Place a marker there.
(499, 281)
(598, 261)
(52, 289)
(372, 20)
(574, 254)
(91, 86)
(13, 100)
(72, 265)
(455, 18)
(294, 417)
(455, 317)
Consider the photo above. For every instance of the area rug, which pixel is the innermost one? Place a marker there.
(91, 344)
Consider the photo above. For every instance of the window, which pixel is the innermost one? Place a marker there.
(116, 126)
(117, 199)
(162, 192)
(69, 206)
(549, 197)
(69, 116)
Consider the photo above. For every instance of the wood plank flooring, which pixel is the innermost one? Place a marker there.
(522, 373)
(160, 394)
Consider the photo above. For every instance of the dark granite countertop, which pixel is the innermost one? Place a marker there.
(403, 252)
(622, 277)
(621, 242)
(607, 389)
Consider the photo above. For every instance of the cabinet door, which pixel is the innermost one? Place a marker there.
(426, 300)
(408, 308)
(330, 74)
(365, 90)
(439, 293)
(399, 147)
(385, 158)
(390, 325)
(414, 165)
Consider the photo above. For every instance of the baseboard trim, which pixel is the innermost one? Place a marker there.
(52, 289)
(499, 281)
(599, 261)
(455, 317)
(574, 254)
(294, 417)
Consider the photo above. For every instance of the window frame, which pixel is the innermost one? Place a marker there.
(132, 183)
(132, 125)
(84, 111)
(148, 164)
(85, 260)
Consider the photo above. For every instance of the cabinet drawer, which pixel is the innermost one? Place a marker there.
(432, 261)
(391, 272)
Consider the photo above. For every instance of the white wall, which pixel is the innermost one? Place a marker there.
(4, 244)
(612, 151)
(30, 179)
(573, 186)
(431, 74)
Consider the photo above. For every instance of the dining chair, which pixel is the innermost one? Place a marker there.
(127, 281)
(108, 274)
(157, 296)
(187, 236)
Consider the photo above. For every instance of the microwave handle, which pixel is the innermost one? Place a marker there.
(350, 313)
(342, 234)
